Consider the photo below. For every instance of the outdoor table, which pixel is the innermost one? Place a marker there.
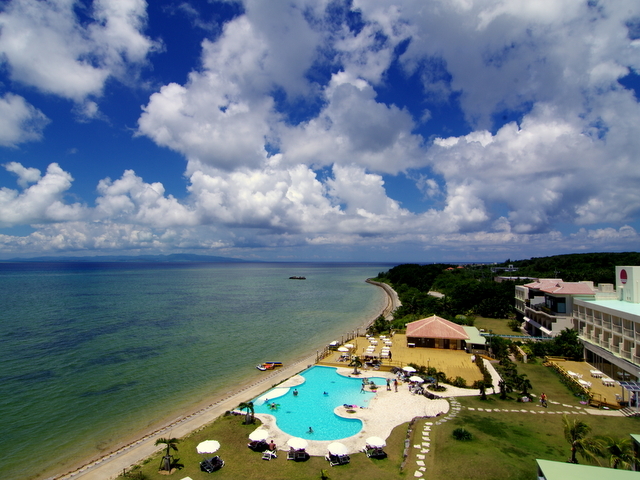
(596, 373)
(584, 383)
(608, 382)
(572, 374)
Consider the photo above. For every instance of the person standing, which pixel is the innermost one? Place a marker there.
(543, 399)
(395, 384)
(388, 385)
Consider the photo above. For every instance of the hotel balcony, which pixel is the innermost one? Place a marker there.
(615, 348)
(637, 336)
(625, 354)
(628, 332)
(597, 321)
(617, 329)
(636, 359)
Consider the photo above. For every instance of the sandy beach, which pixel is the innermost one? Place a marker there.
(112, 464)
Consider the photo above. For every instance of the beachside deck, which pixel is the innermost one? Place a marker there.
(454, 363)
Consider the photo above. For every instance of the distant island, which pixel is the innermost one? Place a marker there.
(172, 258)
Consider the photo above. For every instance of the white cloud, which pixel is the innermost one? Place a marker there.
(19, 121)
(45, 45)
(41, 202)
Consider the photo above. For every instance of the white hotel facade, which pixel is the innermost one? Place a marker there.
(607, 319)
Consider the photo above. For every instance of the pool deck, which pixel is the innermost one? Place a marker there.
(386, 410)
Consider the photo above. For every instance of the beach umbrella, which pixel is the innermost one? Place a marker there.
(376, 442)
(208, 446)
(409, 369)
(337, 448)
(343, 349)
(258, 434)
(297, 443)
(416, 379)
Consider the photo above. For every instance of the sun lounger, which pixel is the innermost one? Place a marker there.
(344, 459)
(291, 455)
(332, 459)
(269, 454)
(212, 464)
(301, 455)
(258, 445)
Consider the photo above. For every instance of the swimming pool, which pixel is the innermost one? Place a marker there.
(312, 408)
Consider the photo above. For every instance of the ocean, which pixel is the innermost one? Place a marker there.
(94, 353)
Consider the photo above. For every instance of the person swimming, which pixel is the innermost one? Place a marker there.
(295, 392)
(310, 430)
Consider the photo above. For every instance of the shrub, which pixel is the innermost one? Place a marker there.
(459, 382)
(462, 434)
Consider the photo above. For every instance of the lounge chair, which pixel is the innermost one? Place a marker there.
(269, 454)
(291, 454)
(301, 455)
(212, 464)
(258, 445)
(343, 459)
(332, 459)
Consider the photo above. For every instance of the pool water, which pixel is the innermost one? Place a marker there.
(312, 408)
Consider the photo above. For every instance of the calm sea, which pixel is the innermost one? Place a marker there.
(92, 354)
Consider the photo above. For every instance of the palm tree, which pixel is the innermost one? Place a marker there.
(483, 390)
(248, 406)
(523, 383)
(619, 452)
(355, 363)
(171, 445)
(506, 387)
(575, 432)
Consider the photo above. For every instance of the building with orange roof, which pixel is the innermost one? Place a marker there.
(436, 332)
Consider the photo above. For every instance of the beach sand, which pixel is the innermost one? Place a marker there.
(112, 464)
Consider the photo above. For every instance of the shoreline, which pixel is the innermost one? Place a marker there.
(112, 464)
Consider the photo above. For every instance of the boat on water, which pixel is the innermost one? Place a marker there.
(295, 277)
(268, 365)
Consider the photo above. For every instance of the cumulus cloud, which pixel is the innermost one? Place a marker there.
(45, 46)
(19, 121)
(41, 202)
(291, 136)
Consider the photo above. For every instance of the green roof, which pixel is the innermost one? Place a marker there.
(474, 336)
(570, 471)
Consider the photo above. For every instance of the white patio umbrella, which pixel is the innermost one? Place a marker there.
(337, 448)
(343, 349)
(416, 379)
(258, 434)
(376, 442)
(408, 369)
(208, 446)
(297, 443)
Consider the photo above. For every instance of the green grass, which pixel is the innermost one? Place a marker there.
(496, 325)
(242, 463)
(505, 445)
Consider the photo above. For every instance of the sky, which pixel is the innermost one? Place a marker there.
(298, 130)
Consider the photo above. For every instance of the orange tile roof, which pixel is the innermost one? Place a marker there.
(558, 287)
(436, 327)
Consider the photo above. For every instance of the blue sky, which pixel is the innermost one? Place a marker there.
(401, 131)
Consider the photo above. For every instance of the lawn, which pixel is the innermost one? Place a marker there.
(505, 445)
(242, 463)
(496, 325)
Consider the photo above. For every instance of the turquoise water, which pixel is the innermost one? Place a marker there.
(313, 408)
(92, 354)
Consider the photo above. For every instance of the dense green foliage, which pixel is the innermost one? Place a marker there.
(467, 292)
(471, 291)
(596, 267)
